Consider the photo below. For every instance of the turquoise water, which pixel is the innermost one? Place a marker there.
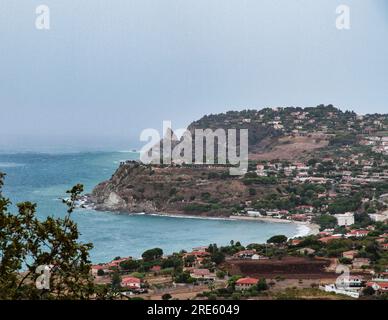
(44, 178)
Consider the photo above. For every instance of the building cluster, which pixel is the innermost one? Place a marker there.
(379, 144)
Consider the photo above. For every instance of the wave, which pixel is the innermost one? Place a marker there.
(303, 230)
(11, 165)
(128, 151)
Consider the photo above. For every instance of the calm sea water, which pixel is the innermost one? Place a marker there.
(44, 178)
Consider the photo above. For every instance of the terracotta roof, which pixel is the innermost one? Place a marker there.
(156, 268)
(130, 280)
(247, 281)
(201, 272)
(327, 239)
(98, 267)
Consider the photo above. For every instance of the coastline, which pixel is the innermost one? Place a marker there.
(304, 228)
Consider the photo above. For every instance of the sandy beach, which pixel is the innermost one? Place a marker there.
(304, 228)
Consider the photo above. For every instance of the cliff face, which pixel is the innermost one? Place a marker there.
(123, 192)
(201, 191)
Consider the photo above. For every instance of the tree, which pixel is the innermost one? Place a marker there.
(279, 239)
(116, 281)
(326, 221)
(28, 244)
(100, 272)
(152, 254)
(262, 285)
(368, 291)
(129, 265)
(218, 257)
(166, 296)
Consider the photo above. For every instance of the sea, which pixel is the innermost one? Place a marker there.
(43, 178)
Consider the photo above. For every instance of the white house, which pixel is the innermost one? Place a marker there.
(378, 217)
(345, 219)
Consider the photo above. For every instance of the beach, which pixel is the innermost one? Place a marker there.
(304, 228)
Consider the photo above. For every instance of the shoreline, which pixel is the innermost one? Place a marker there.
(304, 228)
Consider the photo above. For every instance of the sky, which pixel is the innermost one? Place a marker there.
(107, 69)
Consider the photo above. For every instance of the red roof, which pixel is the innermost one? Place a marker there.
(156, 268)
(247, 281)
(130, 280)
(201, 272)
(381, 285)
(327, 239)
(358, 232)
(198, 254)
(98, 267)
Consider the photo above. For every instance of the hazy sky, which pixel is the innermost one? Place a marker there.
(108, 69)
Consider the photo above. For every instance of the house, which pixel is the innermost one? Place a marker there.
(131, 283)
(358, 263)
(156, 269)
(295, 242)
(381, 277)
(246, 283)
(306, 209)
(96, 268)
(116, 263)
(199, 256)
(345, 219)
(299, 217)
(349, 254)
(378, 217)
(306, 251)
(350, 281)
(357, 233)
(330, 238)
(380, 287)
(203, 274)
(384, 246)
(258, 257)
(245, 254)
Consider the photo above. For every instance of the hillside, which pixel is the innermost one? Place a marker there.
(298, 157)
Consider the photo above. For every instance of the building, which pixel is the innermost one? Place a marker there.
(245, 254)
(380, 287)
(131, 283)
(259, 257)
(203, 274)
(349, 254)
(156, 269)
(246, 283)
(346, 219)
(358, 263)
(357, 233)
(378, 217)
(306, 251)
(96, 268)
(330, 238)
(351, 282)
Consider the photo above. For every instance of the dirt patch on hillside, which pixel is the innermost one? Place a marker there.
(288, 148)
